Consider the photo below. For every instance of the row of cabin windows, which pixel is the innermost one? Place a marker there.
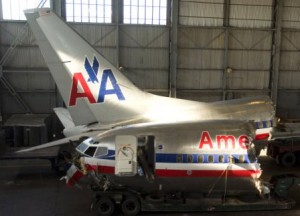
(210, 159)
(101, 151)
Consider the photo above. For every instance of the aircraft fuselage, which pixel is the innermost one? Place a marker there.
(194, 157)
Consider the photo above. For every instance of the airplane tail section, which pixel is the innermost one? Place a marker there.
(95, 91)
(92, 88)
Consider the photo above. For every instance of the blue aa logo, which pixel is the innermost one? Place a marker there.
(92, 70)
(85, 91)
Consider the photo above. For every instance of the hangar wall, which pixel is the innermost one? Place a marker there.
(218, 50)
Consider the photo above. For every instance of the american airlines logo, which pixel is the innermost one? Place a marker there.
(85, 91)
(223, 141)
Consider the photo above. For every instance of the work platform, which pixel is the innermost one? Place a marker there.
(51, 154)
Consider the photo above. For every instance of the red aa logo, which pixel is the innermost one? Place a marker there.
(85, 91)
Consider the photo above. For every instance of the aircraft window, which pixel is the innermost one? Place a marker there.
(210, 158)
(90, 151)
(82, 147)
(231, 159)
(241, 159)
(101, 151)
(221, 159)
(190, 158)
(179, 158)
(200, 158)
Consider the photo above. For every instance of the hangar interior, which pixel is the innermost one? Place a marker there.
(203, 50)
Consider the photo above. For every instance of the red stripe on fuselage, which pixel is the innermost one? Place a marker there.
(263, 136)
(187, 173)
(102, 169)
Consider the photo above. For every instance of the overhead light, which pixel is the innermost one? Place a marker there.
(229, 70)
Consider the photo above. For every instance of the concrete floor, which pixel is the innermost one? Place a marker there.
(30, 187)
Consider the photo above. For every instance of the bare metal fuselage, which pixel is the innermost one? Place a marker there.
(184, 156)
(191, 157)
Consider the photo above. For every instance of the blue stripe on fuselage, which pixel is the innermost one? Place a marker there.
(264, 124)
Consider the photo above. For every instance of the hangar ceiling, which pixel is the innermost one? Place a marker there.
(213, 50)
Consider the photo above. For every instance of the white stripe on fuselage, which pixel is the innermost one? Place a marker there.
(209, 166)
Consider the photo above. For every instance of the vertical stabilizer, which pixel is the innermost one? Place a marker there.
(92, 88)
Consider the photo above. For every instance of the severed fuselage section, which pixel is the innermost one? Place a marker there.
(211, 156)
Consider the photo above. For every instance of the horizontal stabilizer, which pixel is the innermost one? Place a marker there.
(64, 116)
(59, 142)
